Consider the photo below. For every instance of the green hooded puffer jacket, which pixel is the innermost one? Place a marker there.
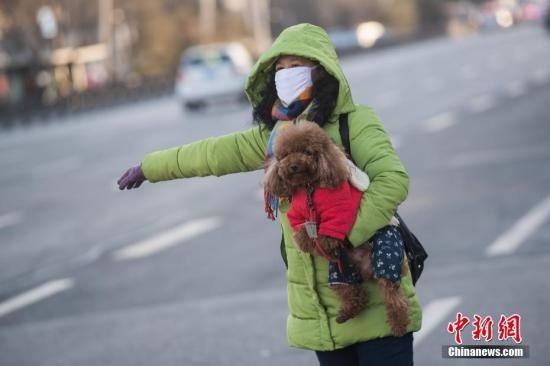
(312, 305)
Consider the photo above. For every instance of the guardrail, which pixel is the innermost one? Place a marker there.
(31, 112)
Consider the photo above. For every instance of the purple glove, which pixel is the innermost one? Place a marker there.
(132, 178)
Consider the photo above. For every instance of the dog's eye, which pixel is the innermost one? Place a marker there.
(308, 152)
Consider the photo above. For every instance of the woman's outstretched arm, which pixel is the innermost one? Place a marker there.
(232, 153)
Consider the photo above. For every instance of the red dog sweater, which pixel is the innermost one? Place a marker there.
(336, 209)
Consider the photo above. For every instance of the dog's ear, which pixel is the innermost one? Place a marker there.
(333, 168)
(273, 183)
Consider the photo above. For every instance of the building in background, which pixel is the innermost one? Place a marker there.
(51, 50)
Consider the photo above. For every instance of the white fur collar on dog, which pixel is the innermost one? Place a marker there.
(358, 178)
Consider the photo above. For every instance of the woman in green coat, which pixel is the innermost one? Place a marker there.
(298, 78)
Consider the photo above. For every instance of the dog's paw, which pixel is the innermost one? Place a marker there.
(362, 259)
(303, 241)
(330, 246)
(353, 299)
(397, 307)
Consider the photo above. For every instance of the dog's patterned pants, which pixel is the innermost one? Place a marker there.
(388, 251)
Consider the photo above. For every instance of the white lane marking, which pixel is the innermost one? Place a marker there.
(265, 353)
(439, 122)
(498, 155)
(433, 314)
(541, 76)
(36, 294)
(168, 239)
(515, 89)
(91, 255)
(481, 103)
(10, 219)
(510, 240)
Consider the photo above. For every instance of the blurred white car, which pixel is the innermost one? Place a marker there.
(213, 72)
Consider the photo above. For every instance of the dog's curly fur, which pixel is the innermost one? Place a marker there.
(306, 157)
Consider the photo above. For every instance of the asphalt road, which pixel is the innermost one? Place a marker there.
(188, 272)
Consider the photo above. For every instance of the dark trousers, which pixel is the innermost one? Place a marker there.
(388, 351)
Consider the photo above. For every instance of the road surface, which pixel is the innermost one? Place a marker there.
(188, 272)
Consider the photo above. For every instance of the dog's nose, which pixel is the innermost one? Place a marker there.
(293, 168)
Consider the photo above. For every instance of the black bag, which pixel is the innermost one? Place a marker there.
(416, 254)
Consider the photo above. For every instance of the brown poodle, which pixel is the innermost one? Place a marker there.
(306, 159)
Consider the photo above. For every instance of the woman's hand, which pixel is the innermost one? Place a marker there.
(132, 178)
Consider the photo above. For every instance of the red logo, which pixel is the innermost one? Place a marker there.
(483, 328)
(508, 327)
(457, 326)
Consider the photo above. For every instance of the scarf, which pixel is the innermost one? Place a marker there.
(284, 115)
(272, 202)
(294, 109)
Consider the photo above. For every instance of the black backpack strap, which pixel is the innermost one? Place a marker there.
(416, 254)
(344, 134)
(283, 250)
(343, 127)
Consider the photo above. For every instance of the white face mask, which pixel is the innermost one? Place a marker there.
(291, 82)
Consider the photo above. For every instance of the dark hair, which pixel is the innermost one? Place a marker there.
(324, 94)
